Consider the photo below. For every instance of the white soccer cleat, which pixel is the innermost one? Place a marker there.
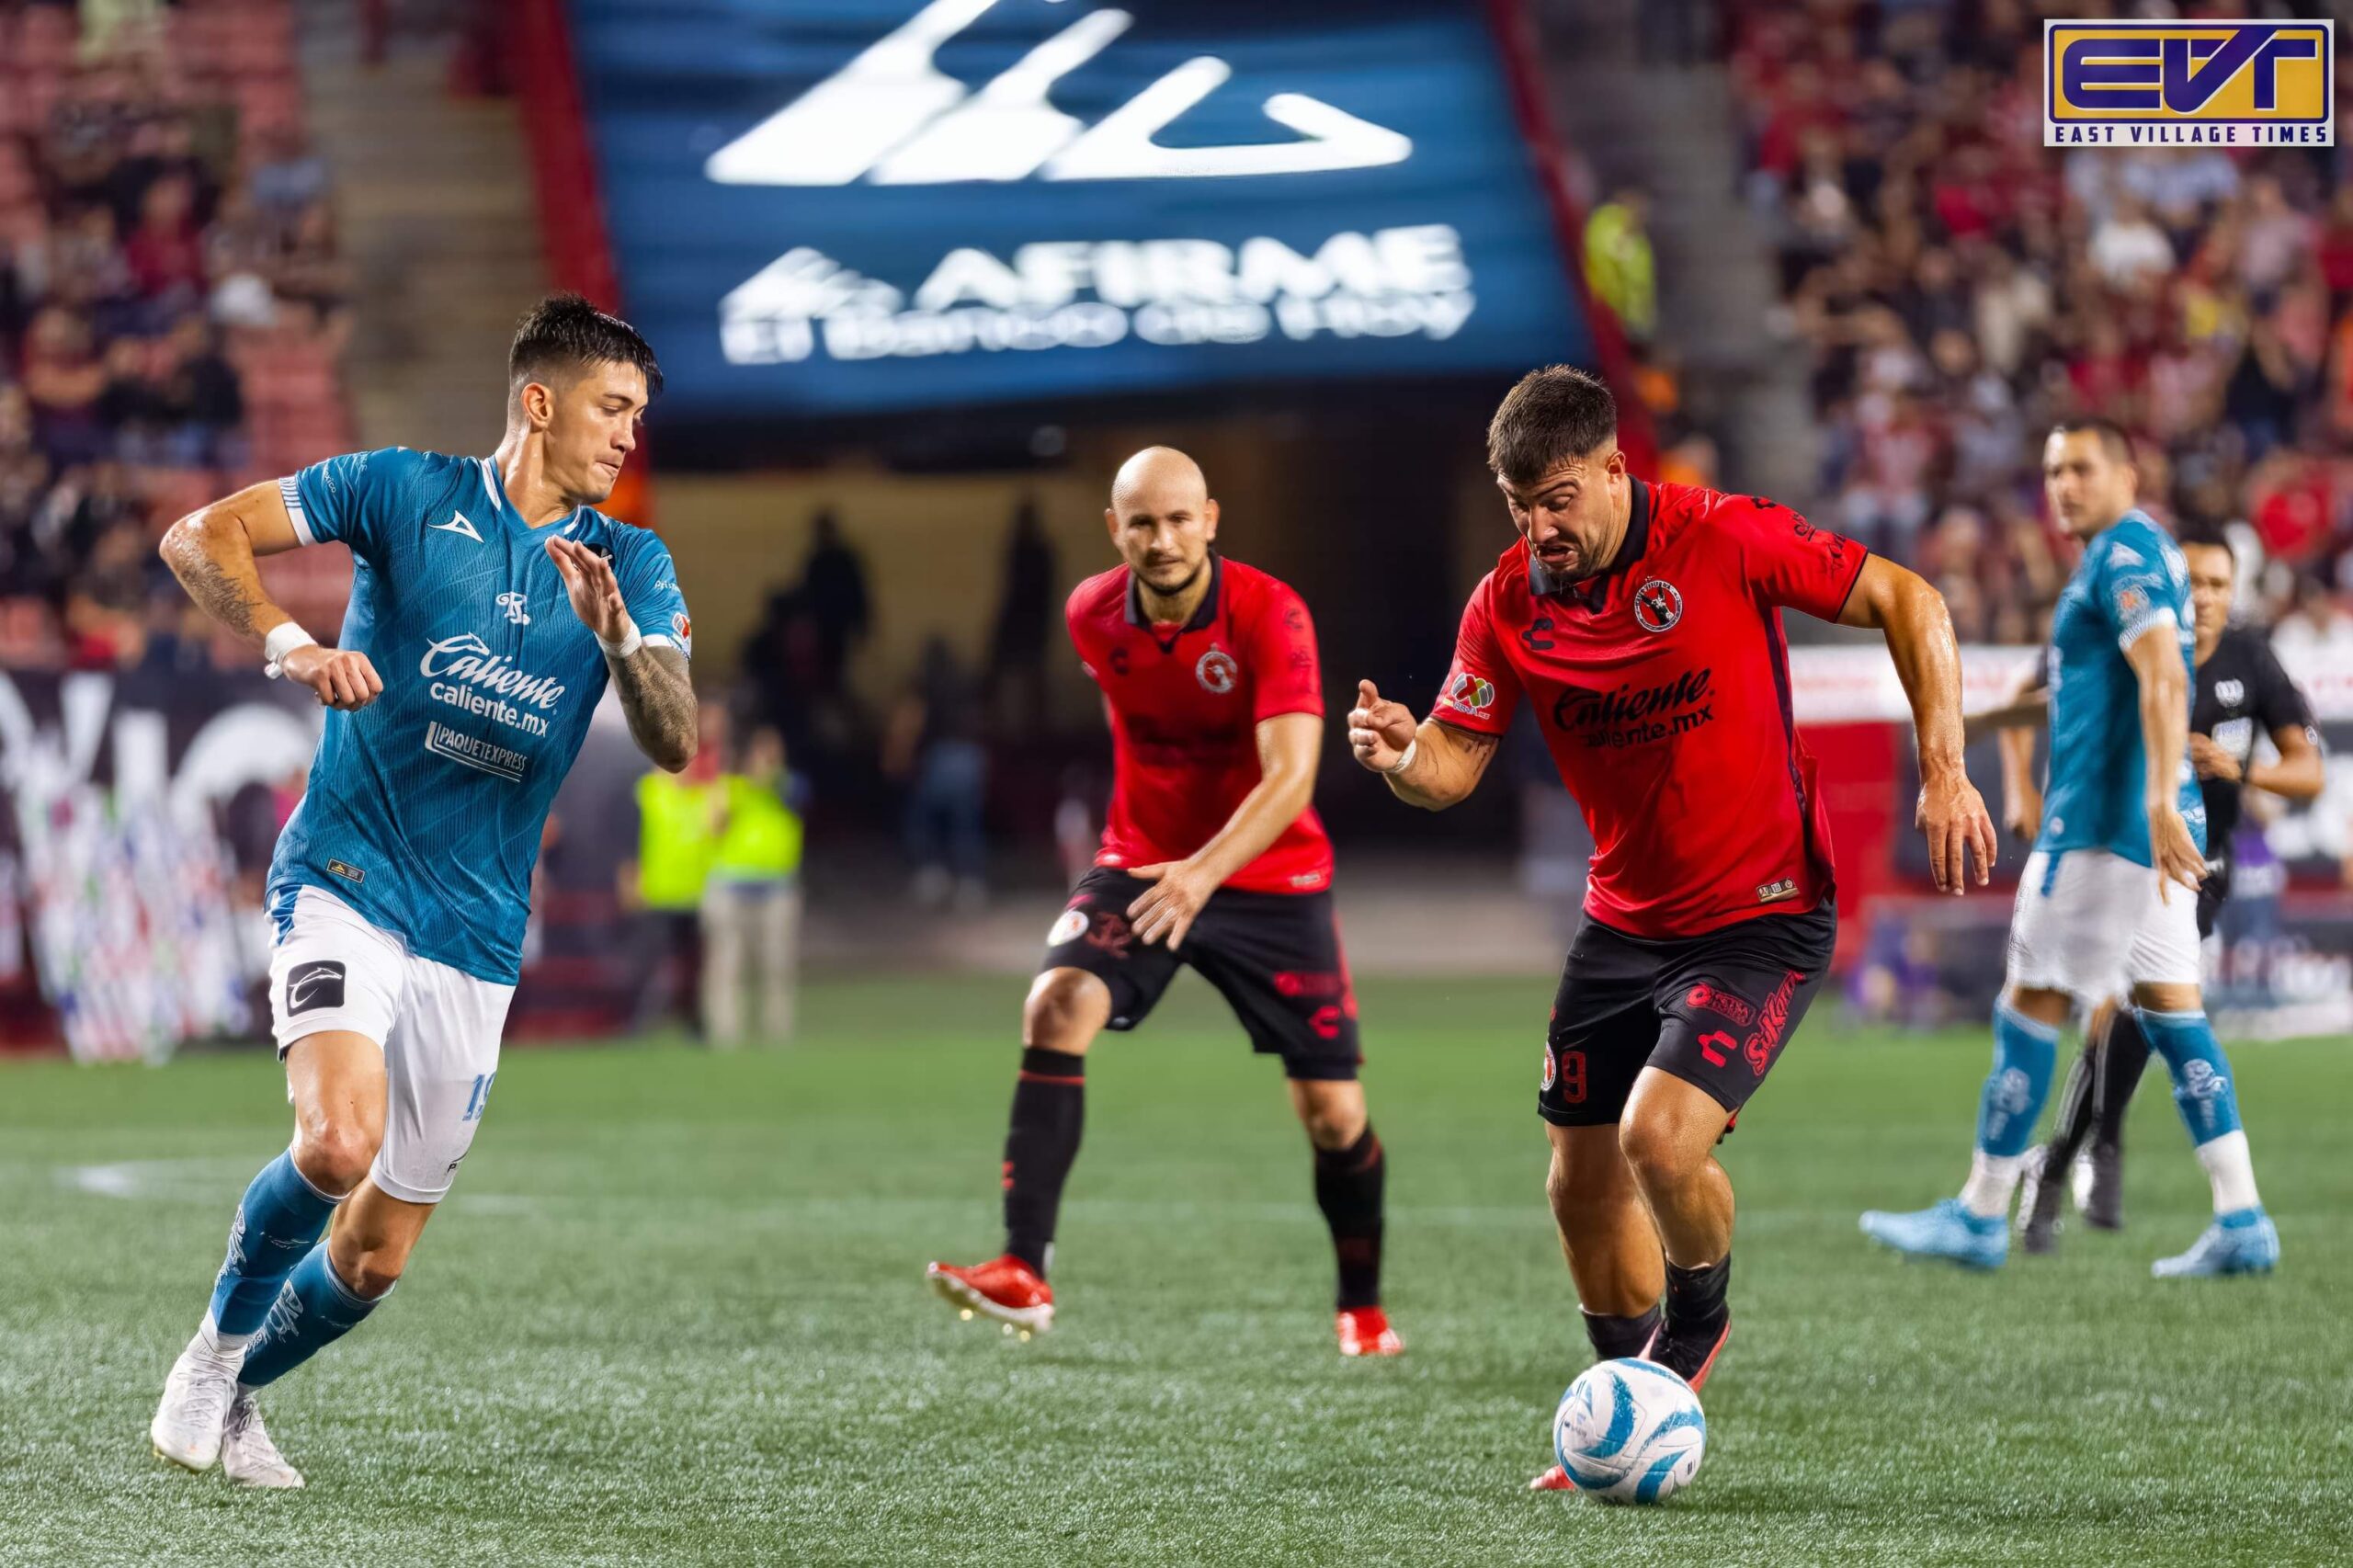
(247, 1456)
(189, 1423)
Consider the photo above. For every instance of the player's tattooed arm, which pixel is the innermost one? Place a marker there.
(659, 698)
(1432, 765)
(657, 695)
(212, 552)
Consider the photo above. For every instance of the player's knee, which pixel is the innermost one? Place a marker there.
(335, 1156)
(1060, 1015)
(1653, 1152)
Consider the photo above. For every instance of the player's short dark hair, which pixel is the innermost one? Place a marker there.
(1554, 413)
(2113, 438)
(563, 334)
(2208, 535)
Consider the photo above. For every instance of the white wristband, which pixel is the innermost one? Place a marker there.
(283, 638)
(1404, 758)
(626, 646)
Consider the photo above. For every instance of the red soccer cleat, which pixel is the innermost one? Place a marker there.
(1554, 1479)
(1691, 1360)
(1004, 1289)
(1365, 1331)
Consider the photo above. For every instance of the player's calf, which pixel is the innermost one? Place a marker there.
(2241, 1240)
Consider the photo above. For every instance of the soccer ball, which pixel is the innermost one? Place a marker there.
(1630, 1432)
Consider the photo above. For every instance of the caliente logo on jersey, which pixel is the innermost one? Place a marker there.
(467, 673)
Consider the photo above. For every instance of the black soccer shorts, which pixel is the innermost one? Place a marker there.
(1714, 1010)
(1274, 957)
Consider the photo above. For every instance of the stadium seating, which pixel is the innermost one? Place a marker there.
(1958, 289)
(170, 312)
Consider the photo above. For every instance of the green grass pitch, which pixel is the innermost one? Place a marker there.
(675, 1315)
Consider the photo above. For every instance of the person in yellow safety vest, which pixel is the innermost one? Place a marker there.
(751, 905)
(1617, 263)
(679, 820)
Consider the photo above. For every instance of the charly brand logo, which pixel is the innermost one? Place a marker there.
(1631, 715)
(466, 673)
(2228, 84)
(1402, 282)
(892, 116)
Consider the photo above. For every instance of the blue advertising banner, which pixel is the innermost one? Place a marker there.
(863, 207)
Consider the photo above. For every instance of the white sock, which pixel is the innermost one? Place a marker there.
(2230, 1169)
(220, 1344)
(1992, 1179)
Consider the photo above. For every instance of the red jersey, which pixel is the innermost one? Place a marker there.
(1184, 702)
(1663, 688)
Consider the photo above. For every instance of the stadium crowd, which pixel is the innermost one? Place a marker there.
(172, 308)
(1958, 289)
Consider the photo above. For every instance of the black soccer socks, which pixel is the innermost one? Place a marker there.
(1348, 1185)
(2120, 1075)
(1615, 1338)
(1049, 1111)
(1695, 1297)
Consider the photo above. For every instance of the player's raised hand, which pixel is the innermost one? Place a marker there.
(596, 594)
(1167, 909)
(342, 677)
(1378, 731)
(1953, 817)
(2176, 852)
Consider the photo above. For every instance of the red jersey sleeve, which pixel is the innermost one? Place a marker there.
(1287, 677)
(1789, 560)
(1481, 691)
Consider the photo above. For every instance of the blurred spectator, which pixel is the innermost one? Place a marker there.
(751, 907)
(158, 204)
(2315, 623)
(1961, 287)
(934, 744)
(679, 816)
(1617, 263)
(1025, 627)
(833, 595)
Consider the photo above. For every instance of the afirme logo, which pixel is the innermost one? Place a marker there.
(2221, 84)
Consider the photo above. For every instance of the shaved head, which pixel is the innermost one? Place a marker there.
(1156, 475)
(1161, 518)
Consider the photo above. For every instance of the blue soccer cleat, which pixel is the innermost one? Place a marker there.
(2242, 1242)
(1948, 1231)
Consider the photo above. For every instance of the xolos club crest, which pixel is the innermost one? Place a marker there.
(1657, 604)
(1217, 671)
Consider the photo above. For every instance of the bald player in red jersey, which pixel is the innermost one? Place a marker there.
(1643, 624)
(1213, 856)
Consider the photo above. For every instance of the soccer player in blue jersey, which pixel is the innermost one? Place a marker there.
(491, 604)
(2108, 899)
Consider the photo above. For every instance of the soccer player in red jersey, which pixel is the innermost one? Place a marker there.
(1643, 624)
(1212, 857)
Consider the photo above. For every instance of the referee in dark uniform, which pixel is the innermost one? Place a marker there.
(2242, 694)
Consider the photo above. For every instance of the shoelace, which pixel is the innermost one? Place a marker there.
(244, 1428)
(210, 1397)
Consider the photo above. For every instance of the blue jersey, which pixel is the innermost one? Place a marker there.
(2133, 578)
(426, 807)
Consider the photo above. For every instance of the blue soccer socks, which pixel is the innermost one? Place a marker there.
(313, 1311)
(279, 1219)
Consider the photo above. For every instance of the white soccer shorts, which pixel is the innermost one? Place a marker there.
(2093, 925)
(437, 1027)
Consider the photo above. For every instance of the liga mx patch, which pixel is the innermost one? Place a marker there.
(2217, 84)
(315, 984)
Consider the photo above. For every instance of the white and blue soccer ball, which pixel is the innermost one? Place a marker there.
(1630, 1432)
